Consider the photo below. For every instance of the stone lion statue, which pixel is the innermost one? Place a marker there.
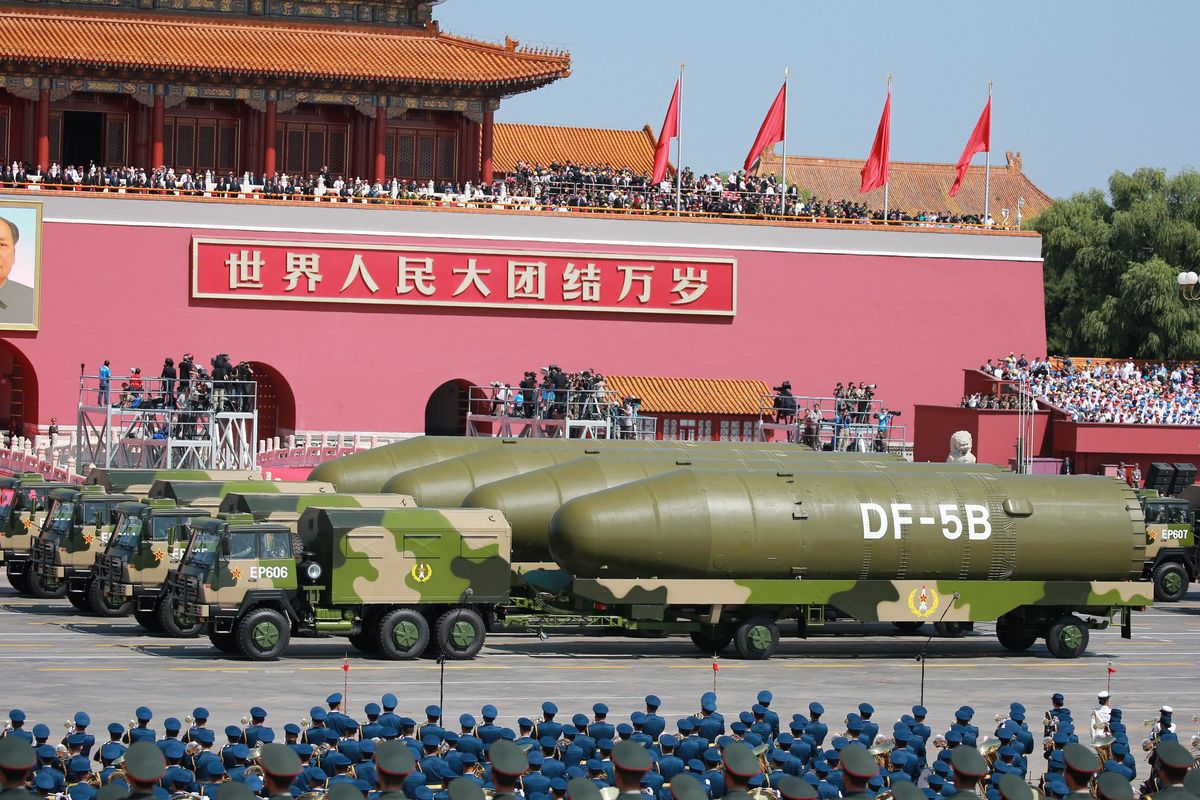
(960, 448)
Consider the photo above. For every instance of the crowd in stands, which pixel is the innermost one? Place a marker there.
(756, 752)
(530, 186)
(561, 395)
(854, 408)
(1113, 392)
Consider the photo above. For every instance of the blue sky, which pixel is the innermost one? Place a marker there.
(1081, 88)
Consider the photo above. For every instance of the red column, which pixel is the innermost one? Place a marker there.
(43, 129)
(380, 140)
(269, 140)
(485, 155)
(156, 133)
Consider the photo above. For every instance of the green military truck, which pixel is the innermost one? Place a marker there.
(396, 582)
(78, 524)
(138, 481)
(287, 507)
(23, 504)
(1171, 553)
(209, 494)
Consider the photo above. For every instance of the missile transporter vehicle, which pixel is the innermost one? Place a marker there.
(23, 504)
(727, 556)
(138, 481)
(79, 522)
(1171, 555)
(397, 582)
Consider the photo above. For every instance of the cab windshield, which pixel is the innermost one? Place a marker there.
(59, 519)
(127, 533)
(202, 549)
(7, 495)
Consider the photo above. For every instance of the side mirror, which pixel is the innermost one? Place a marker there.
(224, 547)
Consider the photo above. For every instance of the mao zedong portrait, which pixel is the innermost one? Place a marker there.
(16, 299)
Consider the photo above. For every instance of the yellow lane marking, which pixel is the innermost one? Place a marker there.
(337, 669)
(1155, 663)
(586, 666)
(210, 669)
(706, 666)
(463, 666)
(5, 644)
(83, 669)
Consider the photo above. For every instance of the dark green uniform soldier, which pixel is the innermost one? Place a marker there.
(509, 763)
(344, 790)
(1192, 781)
(906, 790)
(858, 767)
(233, 790)
(1172, 761)
(393, 763)
(632, 762)
(144, 768)
(688, 787)
(1011, 787)
(464, 789)
(583, 789)
(1113, 786)
(280, 766)
(969, 769)
(1081, 768)
(16, 760)
(792, 788)
(740, 766)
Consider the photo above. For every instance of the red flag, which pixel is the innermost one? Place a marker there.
(875, 171)
(980, 142)
(670, 129)
(773, 130)
(715, 667)
(1112, 670)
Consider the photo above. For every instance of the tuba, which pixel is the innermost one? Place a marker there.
(881, 751)
(989, 748)
(1103, 745)
(940, 742)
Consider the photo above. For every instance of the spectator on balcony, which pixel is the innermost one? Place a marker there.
(785, 404)
(168, 376)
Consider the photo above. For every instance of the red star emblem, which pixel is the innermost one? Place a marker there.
(236, 572)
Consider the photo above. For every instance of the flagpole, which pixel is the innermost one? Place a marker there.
(887, 179)
(679, 149)
(987, 167)
(784, 207)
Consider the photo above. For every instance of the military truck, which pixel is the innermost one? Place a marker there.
(208, 494)
(138, 481)
(130, 573)
(394, 581)
(1171, 553)
(78, 525)
(290, 507)
(23, 504)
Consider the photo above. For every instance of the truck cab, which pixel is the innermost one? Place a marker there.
(78, 525)
(1171, 555)
(132, 571)
(26, 512)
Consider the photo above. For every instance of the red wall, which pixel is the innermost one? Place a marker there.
(905, 323)
(994, 433)
(1092, 445)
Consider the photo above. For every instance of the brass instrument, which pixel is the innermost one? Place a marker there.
(256, 770)
(609, 793)
(757, 793)
(880, 752)
(940, 742)
(1103, 745)
(311, 795)
(125, 737)
(764, 763)
(1049, 725)
(1002, 718)
(989, 748)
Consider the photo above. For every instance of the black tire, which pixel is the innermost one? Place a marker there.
(80, 601)
(711, 640)
(952, 630)
(1170, 582)
(263, 634)
(18, 578)
(365, 642)
(1014, 634)
(171, 624)
(39, 588)
(1067, 637)
(757, 638)
(225, 642)
(99, 604)
(460, 633)
(402, 634)
(909, 625)
(148, 620)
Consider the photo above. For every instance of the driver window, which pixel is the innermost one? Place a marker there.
(276, 545)
(241, 545)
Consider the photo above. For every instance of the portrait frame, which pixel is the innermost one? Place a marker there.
(26, 215)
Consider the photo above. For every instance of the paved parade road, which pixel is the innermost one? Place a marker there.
(56, 662)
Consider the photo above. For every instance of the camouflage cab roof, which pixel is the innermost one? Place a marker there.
(210, 493)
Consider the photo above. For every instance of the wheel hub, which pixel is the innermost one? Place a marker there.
(1172, 582)
(462, 634)
(1070, 637)
(265, 635)
(405, 634)
(758, 637)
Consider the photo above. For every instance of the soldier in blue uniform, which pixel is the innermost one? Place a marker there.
(258, 716)
(601, 728)
(141, 732)
(653, 725)
(48, 763)
(869, 729)
(81, 721)
(710, 724)
(199, 720)
(171, 728)
(815, 728)
(546, 726)
(16, 719)
(389, 717)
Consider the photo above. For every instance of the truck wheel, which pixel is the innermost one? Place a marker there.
(225, 642)
(908, 625)
(148, 620)
(711, 639)
(18, 578)
(952, 630)
(39, 587)
(1170, 582)
(1067, 637)
(100, 604)
(756, 638)
(172, 624)
(80, 601)
(460, 633)
(263, 634)
(1014, 634)
(403, 634)
(365, 642)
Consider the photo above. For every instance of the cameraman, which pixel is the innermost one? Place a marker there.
(885, 421)
(785, 405)
(528, 387)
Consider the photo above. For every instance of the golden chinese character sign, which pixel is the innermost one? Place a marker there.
(20, 264)
(241, 269)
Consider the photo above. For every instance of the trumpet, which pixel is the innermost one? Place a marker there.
(188, 721)
(1002, 718)
(940, 742)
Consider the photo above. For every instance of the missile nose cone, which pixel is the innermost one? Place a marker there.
(441, 485)
(528, 503)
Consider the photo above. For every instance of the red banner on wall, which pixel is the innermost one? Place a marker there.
(241, 269)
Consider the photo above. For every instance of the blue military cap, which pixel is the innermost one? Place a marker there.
(666, 740)
(866, 709)
(739, 728)
(695, 765)
(785, 740)
(724, 741)
(708, 704)
(79, 764)
(1007, 751)
(595, 765)
(43, 780)
(433, 712)
(372, 709)
(901, 733)
(1057, 761)
(954, 737)
(258, 712)
(173, 749)
(765, 697)
(292, 728)
(941, 768)
(350, 749)
(524, 722)
(266, 736)
(466, 721)
(827, 791)
(547, 742)
(430, 740)
(534, 757)
(1017, 715)
(1066, 727)
(111, 751)
(143, 714)
(366, 748)
(638, 718)
(579, 720)
(936, 781)
(508, 734)
(964, 713)
(210, 768)
(1120, 749)
(558, 784)
(1061, 738)
(77, 740)
(172, 724)
(305, 751)
(839, 742)
(816, 708)
(624, 729)
(233, 731)
(1116, 714)
(45, 751)
(205, 736)
(1056, 698)
(115, 728)
(746, 717)
(318, 714)
(652, 701)
(334, 699)
(549, 708)
(239, 751)
(604, 745)
(489, 712)
(41, 731)
(758, 709)
(711, 756)
(576, 771)
(16, 715)
(920, 711)
(82, 720)
(199, 713)
(686, 725)
(389, 701)
(599, 708)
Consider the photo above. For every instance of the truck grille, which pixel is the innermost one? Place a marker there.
(44, 552)
(185, 588)
(108, 569)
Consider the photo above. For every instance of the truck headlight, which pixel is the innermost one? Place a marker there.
(313, 572)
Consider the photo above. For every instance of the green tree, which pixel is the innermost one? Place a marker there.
(1111, 264)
